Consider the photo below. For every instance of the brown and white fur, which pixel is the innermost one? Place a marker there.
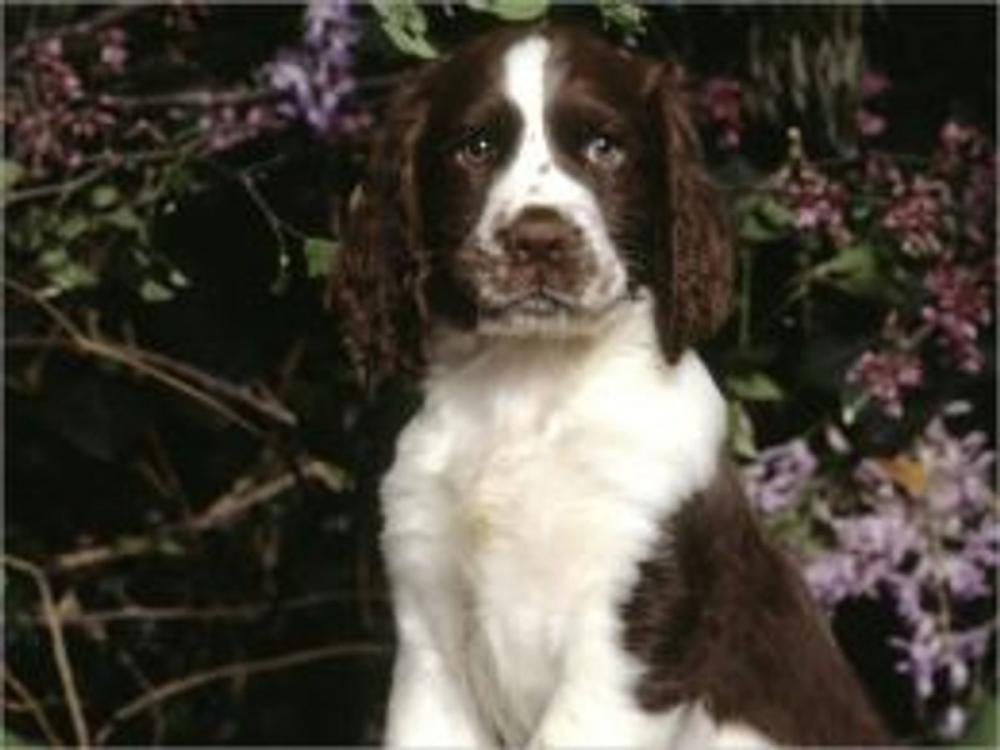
(572, 562)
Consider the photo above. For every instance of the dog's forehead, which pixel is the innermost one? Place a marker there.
(558, 59)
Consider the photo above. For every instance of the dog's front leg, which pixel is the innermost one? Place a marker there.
(593, 705)
(427, 706)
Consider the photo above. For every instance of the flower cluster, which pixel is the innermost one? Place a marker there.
(53, 124)
(926, 538)
(918, 215)
(315, 79)
(886, 376)
(778, 478)
(959, 305)
(818, 201)
(720, 104)
(871, 85)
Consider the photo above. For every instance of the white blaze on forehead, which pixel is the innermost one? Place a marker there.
(524, 85)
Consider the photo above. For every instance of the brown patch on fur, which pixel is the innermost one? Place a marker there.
(721, 616)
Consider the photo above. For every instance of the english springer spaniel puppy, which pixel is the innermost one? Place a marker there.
(572, 562)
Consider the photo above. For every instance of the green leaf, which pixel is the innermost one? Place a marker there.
(104, 196)
(11, 173)
(629, 17)
(853, 269)
(67, 276)
(762, 218)
(755, 386)
(406, 25)
(982, 730)
(319, 254)
(742, 437)
(75, 226)
(53, 257)
(127, 220)
(153, 291)
(511, 10)
(177, 278)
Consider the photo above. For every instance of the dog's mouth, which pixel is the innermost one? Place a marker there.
(545, 313)
(542, 303)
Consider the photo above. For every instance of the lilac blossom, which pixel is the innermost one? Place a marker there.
(818, 203)
(779, 477)
(886, 377)
(114, 53)
(926, 537)
(918, 216)
(57, 125)
(871, 85)
(315, 79)
(959, 306)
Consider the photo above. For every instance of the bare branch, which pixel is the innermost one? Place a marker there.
(226, 509)
(59, 651)
(196, 384)
(139, 613)
(240, 670)
(34, 707)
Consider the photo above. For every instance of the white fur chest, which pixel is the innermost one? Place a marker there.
(522, 497)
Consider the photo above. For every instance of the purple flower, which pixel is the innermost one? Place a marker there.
(924, 532)
(779, 477)
(831, 578)
(315, 79)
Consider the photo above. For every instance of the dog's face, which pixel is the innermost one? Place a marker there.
(527, 185)
(537, 185)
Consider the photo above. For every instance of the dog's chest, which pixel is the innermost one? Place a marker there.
(524, 495)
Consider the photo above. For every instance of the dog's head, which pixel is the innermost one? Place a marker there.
(527, 184)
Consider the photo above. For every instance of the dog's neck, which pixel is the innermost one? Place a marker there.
(555, 354)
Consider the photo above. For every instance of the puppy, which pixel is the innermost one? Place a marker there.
(572, 561)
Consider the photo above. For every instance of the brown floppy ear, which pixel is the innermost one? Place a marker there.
(378, 285)
(692, 263)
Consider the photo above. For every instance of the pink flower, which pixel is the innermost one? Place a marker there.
(873, 83)
(918, 216)
(721, 104)
(886, 376)
(870, 124)
(961, 304)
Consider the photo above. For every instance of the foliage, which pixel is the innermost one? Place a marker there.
(189, 543)
(886, 491)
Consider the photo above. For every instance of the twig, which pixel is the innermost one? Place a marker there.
(53, 189)
(33, 706)
(139, 613)
(222, 511)
(239, 669)
(195, 98)
(159, 367)
(58, 646)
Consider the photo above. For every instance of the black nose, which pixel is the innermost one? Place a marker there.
(538, 233)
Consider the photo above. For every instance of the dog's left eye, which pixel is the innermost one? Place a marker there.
(603, 151)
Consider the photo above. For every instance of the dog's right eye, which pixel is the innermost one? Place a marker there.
(476, 151)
